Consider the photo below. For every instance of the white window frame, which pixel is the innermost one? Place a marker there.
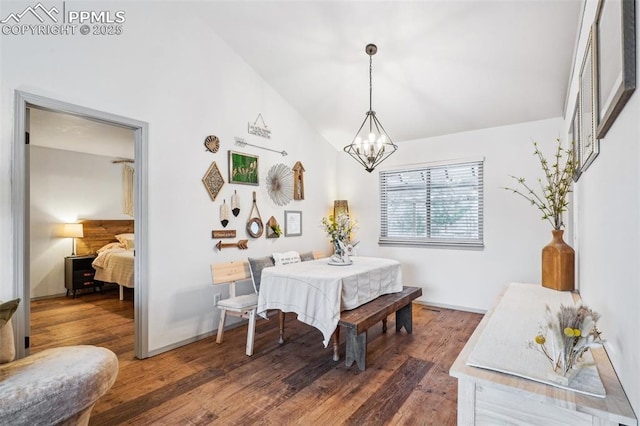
(426, 233)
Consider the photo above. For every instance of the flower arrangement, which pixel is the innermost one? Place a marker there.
(566, 336)
(552, 201)
(339, 229)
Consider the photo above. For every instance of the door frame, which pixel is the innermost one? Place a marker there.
(20, 211)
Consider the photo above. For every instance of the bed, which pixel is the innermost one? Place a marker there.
(112, 241)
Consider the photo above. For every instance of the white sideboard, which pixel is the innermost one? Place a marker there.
(487, 397)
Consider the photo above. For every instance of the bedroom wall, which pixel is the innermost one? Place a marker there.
(514, 234)
(186, 84)
(607, 197)
(66, 186)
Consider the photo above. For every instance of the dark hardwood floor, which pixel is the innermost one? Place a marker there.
(406, 380)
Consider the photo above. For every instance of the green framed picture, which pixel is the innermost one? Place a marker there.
(243, 168)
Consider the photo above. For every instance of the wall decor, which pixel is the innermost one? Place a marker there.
(212, 143)
(273, 228)
(224, 214)
(242, 143)
(255, 228)
(213, 181)
(589, 143)
(280, 184)
(298, 181)
(223, 233)
(292, 223)
(255, 128)
(235, 204)
(242, 245)
(615, 59)
(243, 168)
(574, 138)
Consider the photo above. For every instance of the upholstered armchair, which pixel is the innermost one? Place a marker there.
(57, 386)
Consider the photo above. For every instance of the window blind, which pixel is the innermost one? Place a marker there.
(433, 205)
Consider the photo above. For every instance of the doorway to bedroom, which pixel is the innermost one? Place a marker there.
(78, 166)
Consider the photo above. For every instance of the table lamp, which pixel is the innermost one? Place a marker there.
(72, 230)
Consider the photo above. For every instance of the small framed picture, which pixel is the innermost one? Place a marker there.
(574, 139)
(292, 223)
(589, 143)
(615, 59)
(243, 168)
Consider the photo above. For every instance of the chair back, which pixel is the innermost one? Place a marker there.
(229, 273)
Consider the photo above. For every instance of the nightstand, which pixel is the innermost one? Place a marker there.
(78, 273)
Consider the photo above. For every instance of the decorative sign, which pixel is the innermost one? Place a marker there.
(223, 233)
(255, 129)
(242, 245)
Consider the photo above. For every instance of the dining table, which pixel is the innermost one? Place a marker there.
(318, 290)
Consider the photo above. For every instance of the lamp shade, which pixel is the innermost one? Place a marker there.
(71, 230)
(340, 206)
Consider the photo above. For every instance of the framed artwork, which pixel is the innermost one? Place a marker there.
(589, 143)
(615, 59)
(243, 168)
(292, 223)
(574, 138)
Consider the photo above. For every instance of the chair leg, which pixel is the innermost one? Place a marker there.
(251, 331)
(223, 313)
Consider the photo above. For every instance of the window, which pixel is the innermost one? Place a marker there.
(440, 204)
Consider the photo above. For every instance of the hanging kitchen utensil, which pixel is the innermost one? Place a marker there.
(255, 228)
(224, 214)
(235, 204)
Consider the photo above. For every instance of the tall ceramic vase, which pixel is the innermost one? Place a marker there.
(558, 264)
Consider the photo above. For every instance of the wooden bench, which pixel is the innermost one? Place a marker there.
(358, 320)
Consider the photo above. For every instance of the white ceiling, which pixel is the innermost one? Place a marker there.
(71, 133)
(442, 66)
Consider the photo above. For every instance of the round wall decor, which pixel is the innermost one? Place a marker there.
(212, 143)
(280, 184)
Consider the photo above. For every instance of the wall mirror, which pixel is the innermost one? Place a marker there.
(255, 228)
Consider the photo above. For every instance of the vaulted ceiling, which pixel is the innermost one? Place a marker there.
(443, 66)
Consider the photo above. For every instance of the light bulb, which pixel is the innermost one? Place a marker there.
(372, 137)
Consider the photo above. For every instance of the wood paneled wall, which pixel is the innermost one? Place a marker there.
(98, 233)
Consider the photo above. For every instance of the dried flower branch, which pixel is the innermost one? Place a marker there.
(572, 332)
(552, 201)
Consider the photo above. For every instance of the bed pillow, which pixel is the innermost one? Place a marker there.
(306, 256)
(286, 258)
(256, 265)
(127, 240)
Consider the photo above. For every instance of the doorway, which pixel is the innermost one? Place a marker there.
(21, 210)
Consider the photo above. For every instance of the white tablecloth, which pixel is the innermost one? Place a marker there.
(318, 292)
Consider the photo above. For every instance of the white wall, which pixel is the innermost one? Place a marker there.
(170, 70)
(607, 200)
(514, 234)
(66, 186)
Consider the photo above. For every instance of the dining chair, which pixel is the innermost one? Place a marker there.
(243, 306)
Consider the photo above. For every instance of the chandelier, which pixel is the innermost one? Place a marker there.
(371, 145)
